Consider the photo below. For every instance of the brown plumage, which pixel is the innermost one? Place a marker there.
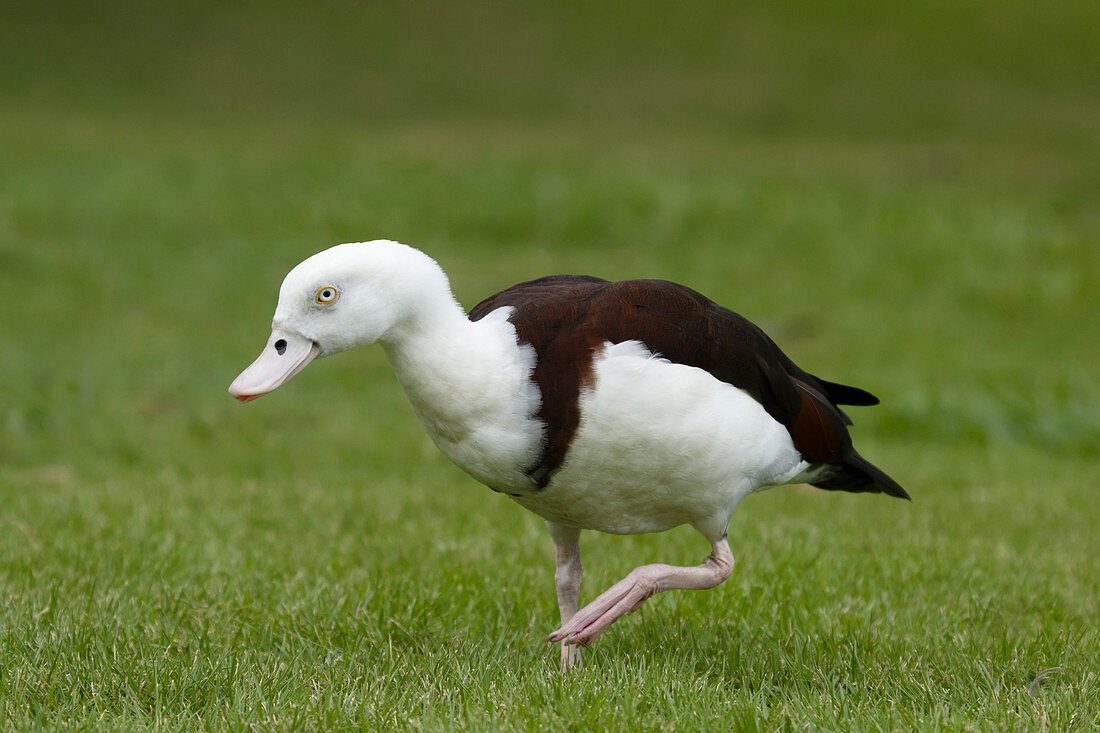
(567, 319)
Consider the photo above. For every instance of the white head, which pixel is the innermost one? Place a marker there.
(346, 296)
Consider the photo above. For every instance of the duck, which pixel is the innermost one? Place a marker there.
(622, 407)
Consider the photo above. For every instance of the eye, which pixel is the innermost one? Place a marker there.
(326, 295)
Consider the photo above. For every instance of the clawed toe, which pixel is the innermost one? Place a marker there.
(624, 597)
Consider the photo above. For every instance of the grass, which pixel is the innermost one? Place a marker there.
(905, 198)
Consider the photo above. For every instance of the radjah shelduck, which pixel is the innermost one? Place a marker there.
(622, 407)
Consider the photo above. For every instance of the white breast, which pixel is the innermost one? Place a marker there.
(471, 387)
(663, 444)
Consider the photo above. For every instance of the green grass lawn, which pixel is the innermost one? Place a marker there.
(905, 198)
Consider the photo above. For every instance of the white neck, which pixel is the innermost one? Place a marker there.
(431, 351)
(470, 385)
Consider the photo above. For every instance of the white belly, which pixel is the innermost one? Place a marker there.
(662, 444)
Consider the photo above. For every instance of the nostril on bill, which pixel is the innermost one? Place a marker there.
(280, 346)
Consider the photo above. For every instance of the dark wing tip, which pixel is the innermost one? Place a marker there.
(818, 429)
(843, 394)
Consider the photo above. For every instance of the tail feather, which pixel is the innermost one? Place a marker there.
(857, 474)
(843, 394)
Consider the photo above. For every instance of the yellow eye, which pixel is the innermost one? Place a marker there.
(326, 295)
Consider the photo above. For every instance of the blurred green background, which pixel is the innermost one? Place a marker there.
(905, 195)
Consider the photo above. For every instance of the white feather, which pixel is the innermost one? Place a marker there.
(663, 444)
(470, 384)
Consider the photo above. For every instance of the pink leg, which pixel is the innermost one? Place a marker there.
(567, 580)
(631, 592)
